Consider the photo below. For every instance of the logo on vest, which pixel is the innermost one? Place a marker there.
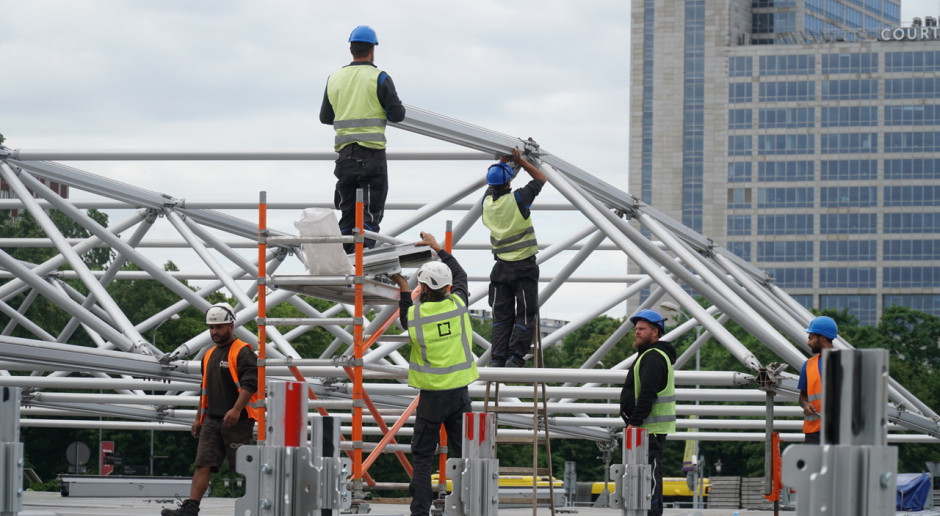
(443, 329)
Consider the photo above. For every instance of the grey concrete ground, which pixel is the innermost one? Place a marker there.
(52, 504)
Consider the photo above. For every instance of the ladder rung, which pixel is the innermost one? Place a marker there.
(523, 470)
(513, 439)
(527, 500)
(512, 410)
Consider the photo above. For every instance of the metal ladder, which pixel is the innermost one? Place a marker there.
(539, 412)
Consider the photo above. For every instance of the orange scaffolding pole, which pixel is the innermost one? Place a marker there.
(262, 292)
(442, 458)
(358, 350)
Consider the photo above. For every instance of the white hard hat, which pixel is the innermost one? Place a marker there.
(220, 313)
(435, 275)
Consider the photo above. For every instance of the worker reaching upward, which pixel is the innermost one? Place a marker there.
(514, 278)
(358, 102)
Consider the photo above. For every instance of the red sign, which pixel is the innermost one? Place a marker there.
(107, 447)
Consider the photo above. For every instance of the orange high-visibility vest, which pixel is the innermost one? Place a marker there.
(813, 424)
(255, 404)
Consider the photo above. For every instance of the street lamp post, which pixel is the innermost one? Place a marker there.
(153, 340)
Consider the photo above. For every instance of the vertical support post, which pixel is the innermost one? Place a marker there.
(633, 479)
(287, 417)
(475, 476)
(358, 352)
(262, 299)
(11, 453)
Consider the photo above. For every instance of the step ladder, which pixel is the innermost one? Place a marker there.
(539, 413)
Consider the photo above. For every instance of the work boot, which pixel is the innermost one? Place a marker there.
(187, 508)
(515, 361)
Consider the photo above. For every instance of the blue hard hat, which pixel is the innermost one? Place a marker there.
(364, 34)
(499, 174)
(824, 326)
(652, 317)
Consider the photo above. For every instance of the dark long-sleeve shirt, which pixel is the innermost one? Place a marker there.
(525, 196)
(220, 386)
(654, 375)
(459, 287)
(388, 98)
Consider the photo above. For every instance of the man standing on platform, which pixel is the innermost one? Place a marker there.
(820, 334)
(359, 101)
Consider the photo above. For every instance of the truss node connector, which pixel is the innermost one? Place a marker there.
(530, 148)
(161, 412)
(347, 361)
(5, 152)
(768, 378)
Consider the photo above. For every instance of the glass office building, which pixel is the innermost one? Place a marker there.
(803, 135)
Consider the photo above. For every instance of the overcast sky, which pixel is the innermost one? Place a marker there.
(239, 74)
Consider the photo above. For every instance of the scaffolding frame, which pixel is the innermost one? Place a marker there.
(672, 259)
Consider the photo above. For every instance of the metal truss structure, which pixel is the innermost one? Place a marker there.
(127, 380)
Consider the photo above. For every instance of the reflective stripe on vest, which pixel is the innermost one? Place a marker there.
(359, 116)
(441, 356)
(511, 235)
(662, 417)
(812, 424)
(255, 404)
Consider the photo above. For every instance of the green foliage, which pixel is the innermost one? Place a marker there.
(2, 139)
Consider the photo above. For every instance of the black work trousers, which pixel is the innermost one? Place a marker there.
(435, 408)
(514, 299)
(360, 167)
(657, 443)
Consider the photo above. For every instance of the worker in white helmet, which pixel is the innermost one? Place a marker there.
(228, 405)
(441, 364)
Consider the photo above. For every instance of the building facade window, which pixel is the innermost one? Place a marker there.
(786, 118)
(847, 250)
(787, 91)
(847, 277)
(850, 63)
(912, 222)
(774, 144)
(785, 171)
(850, 116)
(739, 198)
(739, 171)
(847, 223)
(803, 64)
(912, 115)
(785, 224)
(927, 303)
(785, 197)
(848, 143)
(912, 88)
(911, 250)
(864, 307)
(739, 225)
(928, 141)
(788, 277)
(848, 170)
(834, 196)
(922, 61)
(785, 251)
(741, 249)
(911, 195)
(739, 119)
(912, 169)
(911, 277)
(850, 89)
(740, 66)
(740, 92)
(739, 145)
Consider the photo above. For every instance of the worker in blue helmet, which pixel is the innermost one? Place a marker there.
(513, 295)
(648, 398)
(359, 101)
(819, 336)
